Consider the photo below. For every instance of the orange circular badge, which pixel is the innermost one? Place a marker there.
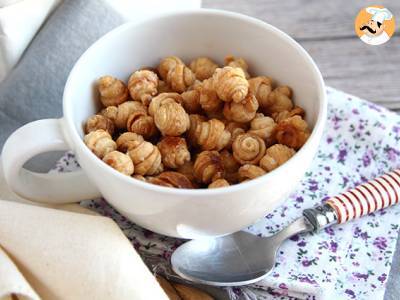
(375, 25)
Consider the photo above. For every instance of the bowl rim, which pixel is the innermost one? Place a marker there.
(73, 136)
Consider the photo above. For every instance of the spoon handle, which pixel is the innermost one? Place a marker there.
(364, 199)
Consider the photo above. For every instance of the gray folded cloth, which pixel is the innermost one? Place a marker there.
(33, 90)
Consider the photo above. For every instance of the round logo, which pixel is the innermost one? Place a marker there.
(375, 25)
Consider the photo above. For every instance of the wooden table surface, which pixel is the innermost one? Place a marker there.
(326, 30)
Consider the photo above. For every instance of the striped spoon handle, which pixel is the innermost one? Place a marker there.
(364, 199)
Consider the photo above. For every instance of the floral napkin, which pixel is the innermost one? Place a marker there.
(350, 261)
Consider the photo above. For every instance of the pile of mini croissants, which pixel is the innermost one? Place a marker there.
(195, 127)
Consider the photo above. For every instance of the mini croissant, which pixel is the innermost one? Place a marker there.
(99, 122)
(145, 156)
(120, 114)
(248, 148)
(171, 119)
(112, 91)
(142, 86)
(235, 129)
(191, 99)
(296, 111)
(275, 156)
(261, 87)
(210, 135)
(209, 100)
(208, 167)
(230, 84)
(263, 127)
(171, 179)
(241, 112)
(237, 62)
(248, 172)
(161, 99)
(100, 142)
(218, 183)
(174, 72)
(120, 162)
(127, 140)
(174, 151)
(195, 125)
(292, 132)
(203, 67)
(141, 123)
(279, 100)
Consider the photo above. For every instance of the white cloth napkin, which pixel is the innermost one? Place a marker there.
(53, 254)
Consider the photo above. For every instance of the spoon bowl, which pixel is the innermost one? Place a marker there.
(237, 259)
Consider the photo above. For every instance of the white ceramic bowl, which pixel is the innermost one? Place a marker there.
(174, 212)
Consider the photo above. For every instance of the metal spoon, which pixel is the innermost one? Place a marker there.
(243, 258)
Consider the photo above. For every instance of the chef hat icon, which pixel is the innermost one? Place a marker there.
(379, 14)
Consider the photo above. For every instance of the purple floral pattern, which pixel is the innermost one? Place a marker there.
(350, 261)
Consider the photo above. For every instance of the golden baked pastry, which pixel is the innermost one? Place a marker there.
(112, 91)
(142, 86)
(174, 151)
(96, 122)
(100, 142)
(248, 148)
(120, 162)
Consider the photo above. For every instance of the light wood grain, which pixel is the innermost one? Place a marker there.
(326, 30)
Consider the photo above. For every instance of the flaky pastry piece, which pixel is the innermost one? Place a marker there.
(248, 172)
(261, 87)
(296, 111)
(145, 156)
(279, 100)
(163, 98)
(126, 140)
(230, 84)
(241, 112)
(120, 114)
(203, 67)
(248, 148)
(171, 119)
(235, 128)
(218, 183)
(142, 86)
(112, 91)
(292, 132)
(237, 62)
(96, 122)
(100, 142)
(208, 167)
(174, 151)
(209, 100)
(264, 127)
(120, 162)
(141, 123)
(275, 156)
(191, 98)
(174, 72)
(171, 179)
(210, 135)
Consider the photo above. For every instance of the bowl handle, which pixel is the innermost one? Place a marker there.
(30, 140)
